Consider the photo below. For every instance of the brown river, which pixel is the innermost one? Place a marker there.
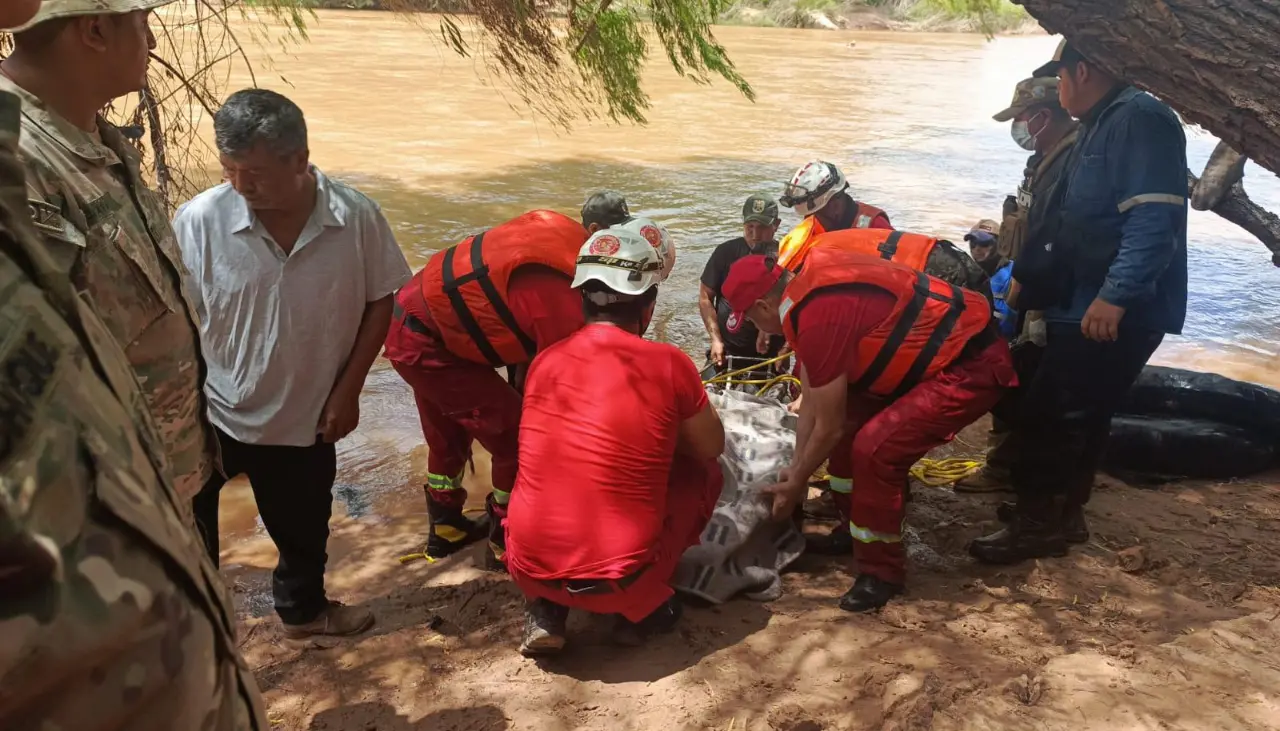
(907, 116)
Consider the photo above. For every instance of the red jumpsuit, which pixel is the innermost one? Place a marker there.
(604, 507)
(459, 400)
(883, 438)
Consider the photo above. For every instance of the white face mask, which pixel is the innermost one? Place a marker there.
(1021, 133)
(1023, 136)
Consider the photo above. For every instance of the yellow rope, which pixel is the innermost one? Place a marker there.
(728, 377)
(931, 472)
(938, 472)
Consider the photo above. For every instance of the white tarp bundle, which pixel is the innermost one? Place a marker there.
(742, 550)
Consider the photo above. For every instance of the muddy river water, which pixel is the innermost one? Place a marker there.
(908, 117)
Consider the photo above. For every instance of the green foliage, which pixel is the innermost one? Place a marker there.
(684, 27)
(593, 71)
(611, 52)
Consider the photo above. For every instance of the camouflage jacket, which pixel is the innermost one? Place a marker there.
(112, 235)
(950, 264)
(111, 614)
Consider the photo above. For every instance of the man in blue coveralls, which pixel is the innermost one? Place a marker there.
(1112, 281)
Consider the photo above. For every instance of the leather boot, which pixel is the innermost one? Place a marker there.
(544, 628)
(1075, 528)
(1034, 532)
(660, 621)
(495, 557)
(451, 530)
(839, 542)
(868, 593)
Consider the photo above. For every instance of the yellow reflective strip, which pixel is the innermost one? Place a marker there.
(443, 482)
(842, 485)
(866, 535)
(449, 533)
(1138, 200)
(501, 497)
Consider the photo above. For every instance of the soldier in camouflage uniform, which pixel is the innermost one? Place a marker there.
(100, 222)
(111, 615)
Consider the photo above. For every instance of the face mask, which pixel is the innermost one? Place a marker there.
(1023, 136)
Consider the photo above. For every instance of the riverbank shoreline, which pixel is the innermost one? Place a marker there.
(1168, 614)
(907, 16)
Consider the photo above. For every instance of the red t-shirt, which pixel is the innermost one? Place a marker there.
(831, 326)
(546, 308)
(601, 413)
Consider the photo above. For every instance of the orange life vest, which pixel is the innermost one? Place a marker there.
(796, 244)
(465, 286)
(929, 327)
(908, 249)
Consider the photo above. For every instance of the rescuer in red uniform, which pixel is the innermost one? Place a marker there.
(496, 299)
(618, 448)
(895, 362)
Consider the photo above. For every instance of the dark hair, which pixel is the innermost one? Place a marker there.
(627, 312)
(257, 116)
(605, 208)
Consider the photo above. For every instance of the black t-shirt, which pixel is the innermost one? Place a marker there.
(743, 342)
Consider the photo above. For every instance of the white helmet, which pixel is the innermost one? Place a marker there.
(657, 236)
(622, 260)
(812, 187)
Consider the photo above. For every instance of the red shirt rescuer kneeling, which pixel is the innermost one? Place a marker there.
(895, 362)
(618, 470)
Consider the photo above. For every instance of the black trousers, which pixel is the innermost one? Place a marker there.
(1001, 455)
(1063, 415)
(293, 487)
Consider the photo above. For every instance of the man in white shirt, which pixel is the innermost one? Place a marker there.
(292, 275)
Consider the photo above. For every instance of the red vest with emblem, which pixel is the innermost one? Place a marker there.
(865, 213)
(929, 327)
(465, 286)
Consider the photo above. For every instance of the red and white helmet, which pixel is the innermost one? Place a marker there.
(657, 236)
(812, 187)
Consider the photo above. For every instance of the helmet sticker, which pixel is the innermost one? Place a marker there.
(606, 245)
(652, 235)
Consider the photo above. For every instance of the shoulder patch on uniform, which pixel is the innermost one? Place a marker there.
(46, 216)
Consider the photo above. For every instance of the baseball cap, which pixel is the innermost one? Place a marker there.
(987, 225)
(750, 279)
(1033, 92)
(54, 9)
(622, 260)
(1065, 54)
(606, 208)
(760, 209)
(980, 238)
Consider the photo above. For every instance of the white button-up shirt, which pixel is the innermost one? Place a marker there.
(277, 328)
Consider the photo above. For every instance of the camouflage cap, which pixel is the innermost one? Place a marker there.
(1033, 92)
(760, 209)
(54, 9)
(606, 208)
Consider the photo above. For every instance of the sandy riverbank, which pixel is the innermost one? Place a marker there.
(1168, 619)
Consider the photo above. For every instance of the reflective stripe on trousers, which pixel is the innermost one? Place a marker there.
(866, 535)
(444, 482)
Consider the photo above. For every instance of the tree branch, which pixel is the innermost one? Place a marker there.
(1236, 207)
(591, 27)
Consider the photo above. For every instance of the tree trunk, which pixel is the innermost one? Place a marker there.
(1215, 61)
